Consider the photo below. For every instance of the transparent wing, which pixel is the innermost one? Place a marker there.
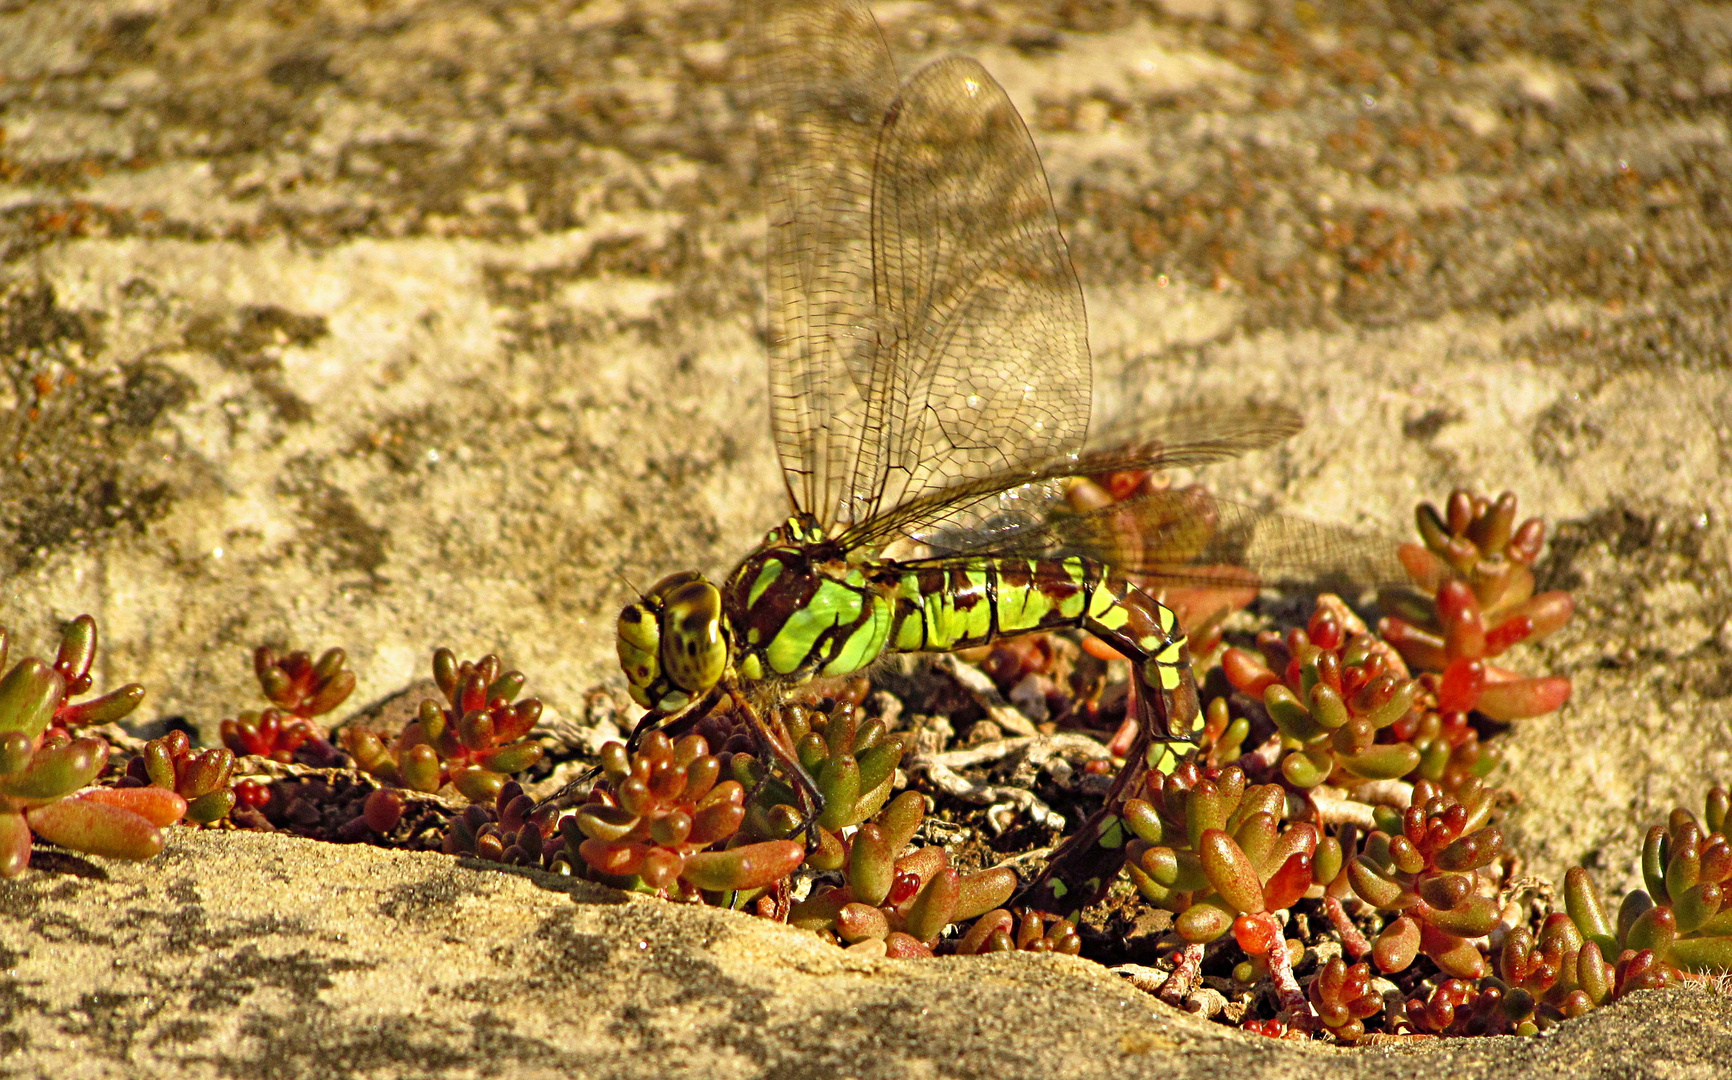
(1182, 438)
(1186, 536)
(821, 81)
(928, 339)
(983, 359)
(927, 327)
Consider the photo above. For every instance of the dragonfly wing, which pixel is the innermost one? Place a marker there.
(929, 346)
(1181, 438)
(983, 365)
(925, 322)
(821, 82)
(1188, 536)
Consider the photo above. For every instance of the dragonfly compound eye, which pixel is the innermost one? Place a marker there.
(639, 643)
(693, 651)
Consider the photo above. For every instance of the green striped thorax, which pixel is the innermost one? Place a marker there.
(672, 643)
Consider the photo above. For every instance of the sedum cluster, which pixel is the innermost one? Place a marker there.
(1432, 867)
(664, 820)
(851, 763)
(511, 831)
(1342, 997)
(1333, 700)
(204, 778)
(474, 742)
(1477, 564)
(1020, 930)
(1677, 929)
(1210, 847)
(894, 901)
(299, 689)
(1343, 776)
(1371, 744)
(45, 770)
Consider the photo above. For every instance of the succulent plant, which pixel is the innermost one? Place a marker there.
(1463, 1007)
(72, 663)
(1672, 932)
(202, 777)
(1348, 711)
(474, 743)
(510, 831)
(1342, 998)
(1477, 562)
(250, 794)
(1272, 1028)
(1425, 864)
(1228, 838)
(1494, 1006)
(853, 764)
(662, 818)
(896, 902)
(1002, 930)
(1209, 847)
(299, 689)
(43, 767)
(297, 684)
(1556, 976)
(1333, 698)
(383, 808)
(1684, 916)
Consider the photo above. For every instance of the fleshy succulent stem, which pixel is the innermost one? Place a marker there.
(1351, 938)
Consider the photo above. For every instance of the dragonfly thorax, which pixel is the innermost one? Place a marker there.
(672, 642)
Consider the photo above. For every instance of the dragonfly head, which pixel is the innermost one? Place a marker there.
(671, 642)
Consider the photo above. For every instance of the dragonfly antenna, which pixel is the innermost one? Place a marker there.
(628, 582)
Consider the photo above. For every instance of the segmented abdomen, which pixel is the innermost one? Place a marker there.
(795, 622)
(939, 609)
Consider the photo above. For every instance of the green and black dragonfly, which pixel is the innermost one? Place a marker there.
(929, 370)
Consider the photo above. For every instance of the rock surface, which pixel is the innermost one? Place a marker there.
(394, 325)
(249, 956)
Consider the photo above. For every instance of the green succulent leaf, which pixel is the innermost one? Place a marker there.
(211, 806)
(750, 866)
(106, 709)
(1202, 923)
(55, 771)
(28, 694)
(981, 892)
(511, 759)
(96, 829)
(839, 783)
(16, 750)
(935, 906)
(1384, 761)
(14, 842)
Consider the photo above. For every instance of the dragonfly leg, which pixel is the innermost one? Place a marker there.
(805, 788)
(652, 720)
(683, 720)
(583, 778)
(1164, 697)
(648, 722)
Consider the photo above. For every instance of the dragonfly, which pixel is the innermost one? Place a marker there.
(930, 374)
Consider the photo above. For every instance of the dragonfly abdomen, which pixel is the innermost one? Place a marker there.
(973, 602)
